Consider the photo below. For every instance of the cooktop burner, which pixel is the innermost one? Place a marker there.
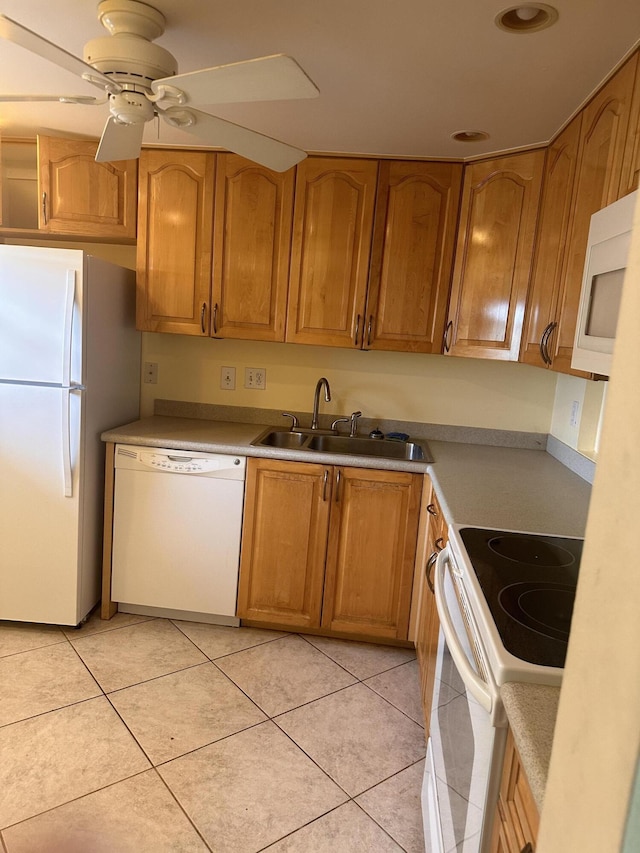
(529, 584)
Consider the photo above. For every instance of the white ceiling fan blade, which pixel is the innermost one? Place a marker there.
(119, 141)
(224, 134)
(16, 33)
(89, 100)
(267, 78)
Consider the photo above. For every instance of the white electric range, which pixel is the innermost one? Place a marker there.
(505, 600)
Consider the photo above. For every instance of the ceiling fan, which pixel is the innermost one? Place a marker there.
(140, 81)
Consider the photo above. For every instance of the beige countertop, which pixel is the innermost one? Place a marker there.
(484, 485)
(508, 488)
(531, 710)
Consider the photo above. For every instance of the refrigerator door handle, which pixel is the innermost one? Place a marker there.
(68, 328)
(66, 443)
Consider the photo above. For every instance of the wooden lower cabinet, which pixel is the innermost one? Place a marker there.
(428, 621)
(329, 548)
(516, 821)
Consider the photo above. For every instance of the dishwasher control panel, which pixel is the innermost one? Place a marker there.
(169, 461)
(179, 464)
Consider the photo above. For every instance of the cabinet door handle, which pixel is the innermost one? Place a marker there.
(215, 319)
(44, 207)
(543, 354)
(338, 478)
(355, 337)
(528, 848)
(439, 543)
(428, 569)
(447, 336)
(369, 330)
(545, 342)
(203, 311)
(431, 509)
(325, 480)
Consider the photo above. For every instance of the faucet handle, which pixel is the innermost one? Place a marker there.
(294, 419)
(339, 421)
(354, 425)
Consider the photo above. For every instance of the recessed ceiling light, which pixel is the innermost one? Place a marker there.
(528, 18)
(470, 136)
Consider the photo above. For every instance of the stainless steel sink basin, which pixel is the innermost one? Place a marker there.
(285, 439)
(356, 446)
(343, 444)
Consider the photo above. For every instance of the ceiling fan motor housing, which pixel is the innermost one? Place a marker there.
(128, 55)
(129, 59)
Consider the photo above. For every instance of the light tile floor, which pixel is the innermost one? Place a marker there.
(140, 734)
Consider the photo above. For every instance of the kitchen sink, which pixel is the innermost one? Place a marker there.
(407, 451)
(285, 439)
(360, 446)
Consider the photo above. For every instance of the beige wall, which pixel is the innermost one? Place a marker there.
(597, 736)
(581, 432)
(428, 388)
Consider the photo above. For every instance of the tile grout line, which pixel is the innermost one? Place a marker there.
(377, 823)
(182, 809)
(73, 800)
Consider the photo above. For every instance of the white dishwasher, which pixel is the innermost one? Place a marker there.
(176, 533)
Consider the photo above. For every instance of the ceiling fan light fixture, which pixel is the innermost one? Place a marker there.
(470, 135)
(528, 18)
(130, 108)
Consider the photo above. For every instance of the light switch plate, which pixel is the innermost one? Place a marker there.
(228, 378)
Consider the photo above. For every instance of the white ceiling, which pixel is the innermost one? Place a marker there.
(396, 77)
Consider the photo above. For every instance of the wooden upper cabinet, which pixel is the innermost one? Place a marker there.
(332, 229)
(493, 258)
(631, 161)
(174, 241)
(371, 552)
(546, 296)
(251, 247)
(81, 197)
(605, 123)
(412, 256)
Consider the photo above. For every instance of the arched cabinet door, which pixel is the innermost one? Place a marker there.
(174, 241)
(546, 296)
(498, 218)
(251, 245)
(332, 229)
(605, 127)
(81, 197)
(413, 242)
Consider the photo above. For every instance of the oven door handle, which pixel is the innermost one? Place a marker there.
(478, 688)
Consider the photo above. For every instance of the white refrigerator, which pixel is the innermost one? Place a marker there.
(69, 369)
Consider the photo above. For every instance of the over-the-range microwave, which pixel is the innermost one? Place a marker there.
(604, 272)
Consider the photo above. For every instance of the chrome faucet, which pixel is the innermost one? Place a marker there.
(316, 399)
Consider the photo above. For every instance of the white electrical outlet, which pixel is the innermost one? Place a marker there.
(150, 372)
(255, 378)
(228, 378)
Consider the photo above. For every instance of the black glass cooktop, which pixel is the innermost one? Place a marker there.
(529, 583)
